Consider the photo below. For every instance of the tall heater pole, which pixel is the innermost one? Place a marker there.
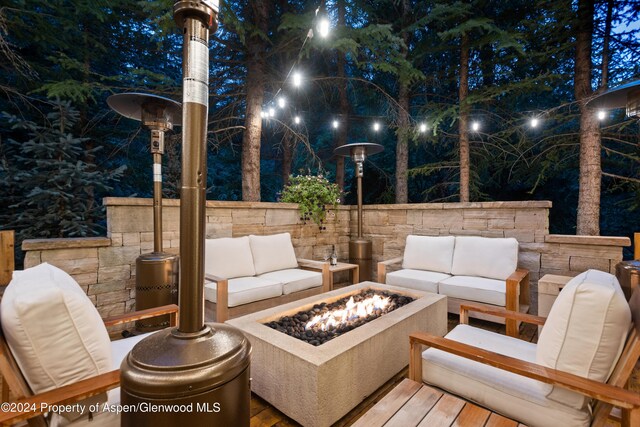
(198, 366)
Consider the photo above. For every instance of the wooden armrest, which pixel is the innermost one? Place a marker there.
(36, 405)
(465, 308)
(518, 275)
(382, 268)
(517, 294)
(322, 266)
(142, 314)
(213, 277)
(601, 391)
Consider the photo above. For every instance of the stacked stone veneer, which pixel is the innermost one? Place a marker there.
(105, 266)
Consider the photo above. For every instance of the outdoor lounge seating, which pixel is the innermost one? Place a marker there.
(252, 273)
(57, 346)
(587, 340)
(464, 268)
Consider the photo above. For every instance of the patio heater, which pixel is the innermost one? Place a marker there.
(156, 272)
(196, 374)
(360, 251)
(625, 96)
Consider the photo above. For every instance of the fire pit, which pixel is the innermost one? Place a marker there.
(317, 385)
(323, 321)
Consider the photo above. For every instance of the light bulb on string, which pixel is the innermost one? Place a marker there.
(534, 122)
(263, 114)
(376, 127)
(423, 127)
(323, 27)
(282, 102)
(335, 124)
(475, 126)
(297, 120)
(296, 79)
(272, 112)
(602, 115)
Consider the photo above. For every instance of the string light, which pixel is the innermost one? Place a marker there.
(296, 79)
(534, 122)
(423, 127)
(376, 126)
(323, 27)
(282, 102)
(335, 124)
(602, 115)
(475, 126)
(272, 112)
(296, 120)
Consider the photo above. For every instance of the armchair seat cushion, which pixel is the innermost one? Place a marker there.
(513, 395)
(420, 280)
(244, 290)
(294, 279)
(480, 289)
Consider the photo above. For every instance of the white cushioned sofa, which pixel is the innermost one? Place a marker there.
(583, 335)
(464, 268)
(251, 273)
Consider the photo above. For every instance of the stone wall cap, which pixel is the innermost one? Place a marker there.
(65, 243)
(588, 240)
(527, 204)
(137, 201)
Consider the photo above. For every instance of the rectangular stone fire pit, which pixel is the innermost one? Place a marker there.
(316, 386)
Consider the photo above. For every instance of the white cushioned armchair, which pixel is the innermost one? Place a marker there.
(586, 341)
(464, 268)
(55, 345)
(251, 273)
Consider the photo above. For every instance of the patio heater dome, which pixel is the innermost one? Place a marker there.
(156, 272)
(625, 96)
(360, 249)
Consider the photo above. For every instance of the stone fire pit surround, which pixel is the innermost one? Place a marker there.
(316, 386)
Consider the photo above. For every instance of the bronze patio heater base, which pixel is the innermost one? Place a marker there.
(196, 374)
(625, 96)
(156, 272)
(360, 249)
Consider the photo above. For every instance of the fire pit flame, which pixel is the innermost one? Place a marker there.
(353, 310)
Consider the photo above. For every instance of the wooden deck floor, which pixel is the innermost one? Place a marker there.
(265, 415)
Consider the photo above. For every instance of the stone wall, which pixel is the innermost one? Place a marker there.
(105, 267)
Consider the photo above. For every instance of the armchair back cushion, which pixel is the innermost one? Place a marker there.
(229, 257)
(493, 258)
(585, 331)
(429, 253)
(53, 330)
(273, 252)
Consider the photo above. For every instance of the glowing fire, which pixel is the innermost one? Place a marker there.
(353, 310)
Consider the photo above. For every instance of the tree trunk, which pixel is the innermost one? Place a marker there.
(256, 49)
(287, 157)
(463, 93)
(605, 45)
(342, 135)
(402, 142)
(588, 218)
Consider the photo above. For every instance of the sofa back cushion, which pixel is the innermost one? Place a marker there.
(429, 253)
(274, 252)
(494, 258)
(585, 331)
(229, 257)
(53, 330)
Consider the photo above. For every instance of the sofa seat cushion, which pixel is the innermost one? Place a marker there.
(429, 253)
(585, 330)
(479, 289)
(272, 253)
(294, 279)
(420, 280)
(512, 395)
(494, 258)
(228, 257)
(54, 331)
(244, 290)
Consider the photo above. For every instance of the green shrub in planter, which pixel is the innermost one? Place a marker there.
(312, 193)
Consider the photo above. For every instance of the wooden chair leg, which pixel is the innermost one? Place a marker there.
(630, 417)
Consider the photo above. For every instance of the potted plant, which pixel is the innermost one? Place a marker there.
(312, 193)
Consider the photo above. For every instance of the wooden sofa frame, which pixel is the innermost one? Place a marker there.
(70, 393)
(220, 310)
(612, 393)
(517, 296)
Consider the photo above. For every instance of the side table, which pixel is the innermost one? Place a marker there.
(344, 266)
